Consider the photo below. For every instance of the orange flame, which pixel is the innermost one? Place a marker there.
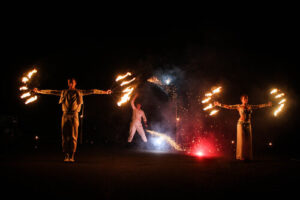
(31, 73)
(217, 90)
(208, 107)
(25, 79)
(27, 94)
(206, 100)
(126, 97)
(31, 100)
(23, 88)
(127, 82)
(279, 109)
(120, 77)
(274, 91)
(213, 112)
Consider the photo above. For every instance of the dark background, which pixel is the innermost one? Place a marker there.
(246, 52)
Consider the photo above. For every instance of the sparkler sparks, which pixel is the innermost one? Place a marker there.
(167, 139)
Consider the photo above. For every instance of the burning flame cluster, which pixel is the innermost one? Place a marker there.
(167, 139)
(280, 97)
(154, 80)
(207, 101)
(127, 92)
(24, 88)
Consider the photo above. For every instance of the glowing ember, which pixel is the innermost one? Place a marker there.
(31, 73)
(217, 90)
(270, 144)
(167, 139)
(208, 107)
(23, 88)
(120, 77)
(206, 100)
(126, 97)
(127, 82)
(25, 79)
(27, 94)
(279, 95)
(274, 91)
(32, 99)
(232, 141)
(279, 109)
(213, 112)
(177, 119)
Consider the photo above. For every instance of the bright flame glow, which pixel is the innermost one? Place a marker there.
(217, 90)
(168, 81)
(23, 88)
(200, 153)
(274, 91)
(127, 82)
(208, 94)
(27, 94)
(208, 107)
(167, 139)
(213, 112)
(154, 80)
(279, 109)
(279, 95)
(282, 101)
(31, 73)
(31, 100)
(25, 79)
(120, 77)
(206, 100)
(126, 97)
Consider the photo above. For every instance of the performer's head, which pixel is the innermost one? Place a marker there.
(138, 106)
(72, 83)
(244, 99)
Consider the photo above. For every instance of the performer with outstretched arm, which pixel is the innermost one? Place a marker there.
(136, 124)
(71, 101)
(244, 130)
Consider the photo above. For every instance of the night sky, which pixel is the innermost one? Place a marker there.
(245, 53)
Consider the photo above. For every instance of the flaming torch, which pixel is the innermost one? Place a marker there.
(127, 92)
(277, 95)
(26, 80)
(209, 97)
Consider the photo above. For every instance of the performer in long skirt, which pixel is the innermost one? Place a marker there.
(71, 101)
(244, 130)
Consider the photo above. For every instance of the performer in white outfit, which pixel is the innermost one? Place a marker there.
(136, 123)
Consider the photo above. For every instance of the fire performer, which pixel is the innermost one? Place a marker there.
(244, 130)
(71, 100)
(136, 124)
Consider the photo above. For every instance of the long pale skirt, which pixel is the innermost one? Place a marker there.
(244, 141)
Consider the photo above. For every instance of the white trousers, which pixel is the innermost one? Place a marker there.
(136, 126)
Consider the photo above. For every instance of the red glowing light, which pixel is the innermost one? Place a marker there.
(199, 153)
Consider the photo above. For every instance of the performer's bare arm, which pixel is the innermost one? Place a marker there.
(232, 107)
(94, 91)
(49, 92)
(261, 105)
(144, 119)
(132, 101)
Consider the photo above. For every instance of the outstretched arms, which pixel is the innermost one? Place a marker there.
(261, 105)
(49, 92)
(94, 91)
(216, 103)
